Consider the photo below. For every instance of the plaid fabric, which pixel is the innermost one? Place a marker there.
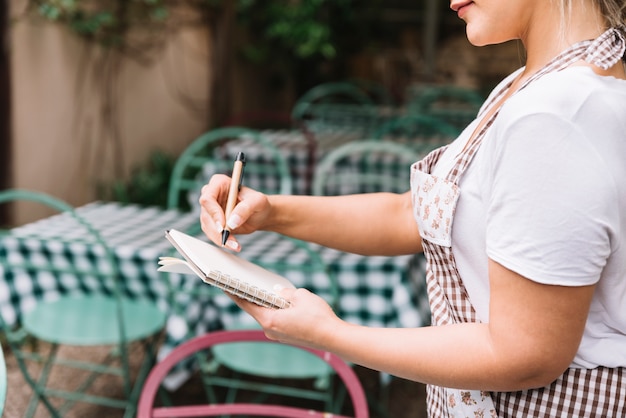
(606, 50)
(376, 291)
(450, 304)
(578, 392)
(589, 393)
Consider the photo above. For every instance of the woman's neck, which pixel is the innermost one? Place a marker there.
(545, 39)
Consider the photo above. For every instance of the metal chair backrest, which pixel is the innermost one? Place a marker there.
(214, 152)
(365, 166)
(375, 90)
(335, 107)
(147, 408)
(329, 93)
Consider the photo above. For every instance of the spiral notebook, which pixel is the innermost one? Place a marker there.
(224, 270)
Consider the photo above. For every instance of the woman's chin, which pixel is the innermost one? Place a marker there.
(478, 38)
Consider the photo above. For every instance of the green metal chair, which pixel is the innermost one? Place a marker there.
(104, 318)
(365, 166)
(422, 133)
(213, 152)
(337, 106)
(375, 90)
(458, 106)
(327, 93)
(413, 128)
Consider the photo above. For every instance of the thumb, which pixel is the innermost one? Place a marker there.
(285, 292)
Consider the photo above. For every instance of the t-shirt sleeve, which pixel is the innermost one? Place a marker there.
(549, 203)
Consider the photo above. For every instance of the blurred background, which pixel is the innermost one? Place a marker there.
(99, 97)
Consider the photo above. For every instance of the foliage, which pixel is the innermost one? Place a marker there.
(148, 184)
(306, 29)
(300, 29)
(136, 27)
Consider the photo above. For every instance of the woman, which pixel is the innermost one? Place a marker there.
(522, 220)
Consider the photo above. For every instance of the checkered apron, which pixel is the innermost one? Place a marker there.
(597, 392)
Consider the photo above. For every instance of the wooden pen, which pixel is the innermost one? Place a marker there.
(233, 192)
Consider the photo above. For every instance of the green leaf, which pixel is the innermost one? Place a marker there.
(160, 13)
(49, 11)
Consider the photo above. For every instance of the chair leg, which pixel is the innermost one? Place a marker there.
(86, 384)
(146, 365)
(121, 352)
(38, 387)
(207, 368)
(232, 391)
(335, 403)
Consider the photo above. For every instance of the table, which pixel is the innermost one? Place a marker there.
(135, 234)
(374, 291)
(302, 155)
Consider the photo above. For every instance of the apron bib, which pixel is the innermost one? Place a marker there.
(434, 203)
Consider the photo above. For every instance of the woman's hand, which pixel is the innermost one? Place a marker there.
(308, 321)
(248, 215)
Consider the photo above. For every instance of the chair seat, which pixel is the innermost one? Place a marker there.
(90, 320)
(270, 360)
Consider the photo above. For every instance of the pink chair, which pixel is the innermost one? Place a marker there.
(147, 408)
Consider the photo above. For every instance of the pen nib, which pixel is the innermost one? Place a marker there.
(225, 234)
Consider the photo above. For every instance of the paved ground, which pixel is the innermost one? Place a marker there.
(399, 399)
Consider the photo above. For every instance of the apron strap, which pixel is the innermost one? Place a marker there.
(604, 51)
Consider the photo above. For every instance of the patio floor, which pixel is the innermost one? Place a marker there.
(403, 398)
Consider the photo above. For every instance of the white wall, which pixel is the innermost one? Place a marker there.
(61, 144)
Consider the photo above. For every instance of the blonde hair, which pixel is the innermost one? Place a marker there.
(613, 11)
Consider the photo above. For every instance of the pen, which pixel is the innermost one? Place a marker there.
(233, 192)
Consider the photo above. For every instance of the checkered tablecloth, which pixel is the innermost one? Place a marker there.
(375, 291)
(135, 234)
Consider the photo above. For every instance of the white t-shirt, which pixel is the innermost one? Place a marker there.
(545, 196)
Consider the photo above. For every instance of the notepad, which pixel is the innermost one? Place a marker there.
(224, 270)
